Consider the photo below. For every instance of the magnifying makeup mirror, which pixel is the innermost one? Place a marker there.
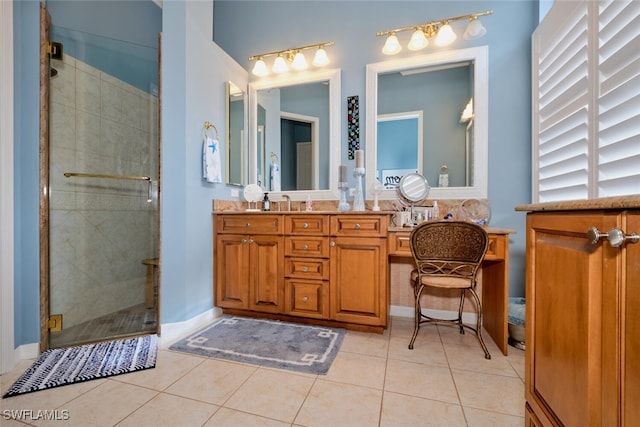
(413, 188)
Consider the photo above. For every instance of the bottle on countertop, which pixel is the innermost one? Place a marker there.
(266, 203)
(308, 205)
(436, 211)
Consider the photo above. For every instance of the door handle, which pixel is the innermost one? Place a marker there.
(615, 236)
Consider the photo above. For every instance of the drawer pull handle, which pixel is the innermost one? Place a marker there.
(615, 236)
(305, 269)
(305, 225)
(305, 299)
(357, 226)
(305, 247)
(247, 225)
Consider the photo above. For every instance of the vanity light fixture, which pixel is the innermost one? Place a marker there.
(441, 30)
(293, 57)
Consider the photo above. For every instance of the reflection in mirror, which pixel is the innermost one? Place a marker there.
(237, 144)
(294, 120)
(399, 150)
(414, 122)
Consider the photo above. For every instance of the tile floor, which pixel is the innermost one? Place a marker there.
(374, 381)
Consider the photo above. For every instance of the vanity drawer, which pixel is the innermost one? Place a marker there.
(309, 225)
(496, 249)
(305, 246)
(359, 225)
(249, 224)
(309, 268)
(307, 298)
(400, 244)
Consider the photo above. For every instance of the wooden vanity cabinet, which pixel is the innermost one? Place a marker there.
(248, 262)
(359, 287)
(327, 267)
(582, 322)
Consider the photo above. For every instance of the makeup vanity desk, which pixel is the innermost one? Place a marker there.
(495, 278)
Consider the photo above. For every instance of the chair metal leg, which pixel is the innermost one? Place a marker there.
(460, 310)
(418, 312)
(479, 324)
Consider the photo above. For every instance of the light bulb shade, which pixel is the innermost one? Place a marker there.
(418, 40)
(445, 36)
(320, 59)
(392, 45)
(260, 68)
(474, 30)
(299, 62)
(280, 65)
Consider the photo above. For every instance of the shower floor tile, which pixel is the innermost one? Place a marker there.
(131, 321)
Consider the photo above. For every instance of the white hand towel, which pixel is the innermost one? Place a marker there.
(211, 167)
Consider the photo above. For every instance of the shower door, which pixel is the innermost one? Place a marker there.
(103, 190)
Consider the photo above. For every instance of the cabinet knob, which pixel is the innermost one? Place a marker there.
(305, 225)
(305, 299)
(305, 269)
(615, 236)
(305, 247)
(244, 241)
(332, 243)
(357, 226)
(250, 241)
(247, 225)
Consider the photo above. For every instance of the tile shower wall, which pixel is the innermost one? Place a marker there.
(100, 229)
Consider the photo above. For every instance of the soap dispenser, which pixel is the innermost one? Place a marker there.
(266, 204)
(308, 204)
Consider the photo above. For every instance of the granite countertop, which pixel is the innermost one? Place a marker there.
(292, 212)
(490, 230)
(620, 202)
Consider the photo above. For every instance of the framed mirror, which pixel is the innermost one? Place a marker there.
(237, 141)
(415, 122)
(295, 122)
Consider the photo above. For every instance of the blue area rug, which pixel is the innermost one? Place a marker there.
(63, 366)
(271, 343)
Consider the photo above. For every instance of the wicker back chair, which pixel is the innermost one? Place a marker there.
(448, 254)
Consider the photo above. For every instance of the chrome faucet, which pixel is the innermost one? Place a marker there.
(288, 199)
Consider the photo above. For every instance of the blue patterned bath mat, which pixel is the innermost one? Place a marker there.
(63, 366)
(302, 348)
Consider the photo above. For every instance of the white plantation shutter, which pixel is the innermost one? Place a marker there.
(586, 101)
(619, 98)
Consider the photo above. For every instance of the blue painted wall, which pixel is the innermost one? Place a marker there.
(245, 28)
(26, 167)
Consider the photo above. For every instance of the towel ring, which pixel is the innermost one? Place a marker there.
(207, 127)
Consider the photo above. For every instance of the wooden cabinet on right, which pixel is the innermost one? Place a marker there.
(359, 290)
(583, 322)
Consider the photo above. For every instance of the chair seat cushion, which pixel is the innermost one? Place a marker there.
(442, 281)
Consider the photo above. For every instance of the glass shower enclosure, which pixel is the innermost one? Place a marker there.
(103, 189)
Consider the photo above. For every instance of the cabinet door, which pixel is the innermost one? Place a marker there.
(569, 283)
(631, 327)
(359, 280)
(232, 271)
(266, 276)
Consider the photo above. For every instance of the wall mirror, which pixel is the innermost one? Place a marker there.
(414, 113)
(294, 121)
(237, 141)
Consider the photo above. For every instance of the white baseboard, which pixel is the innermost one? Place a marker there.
(27, 351)
(171, 332)
(403, 311)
